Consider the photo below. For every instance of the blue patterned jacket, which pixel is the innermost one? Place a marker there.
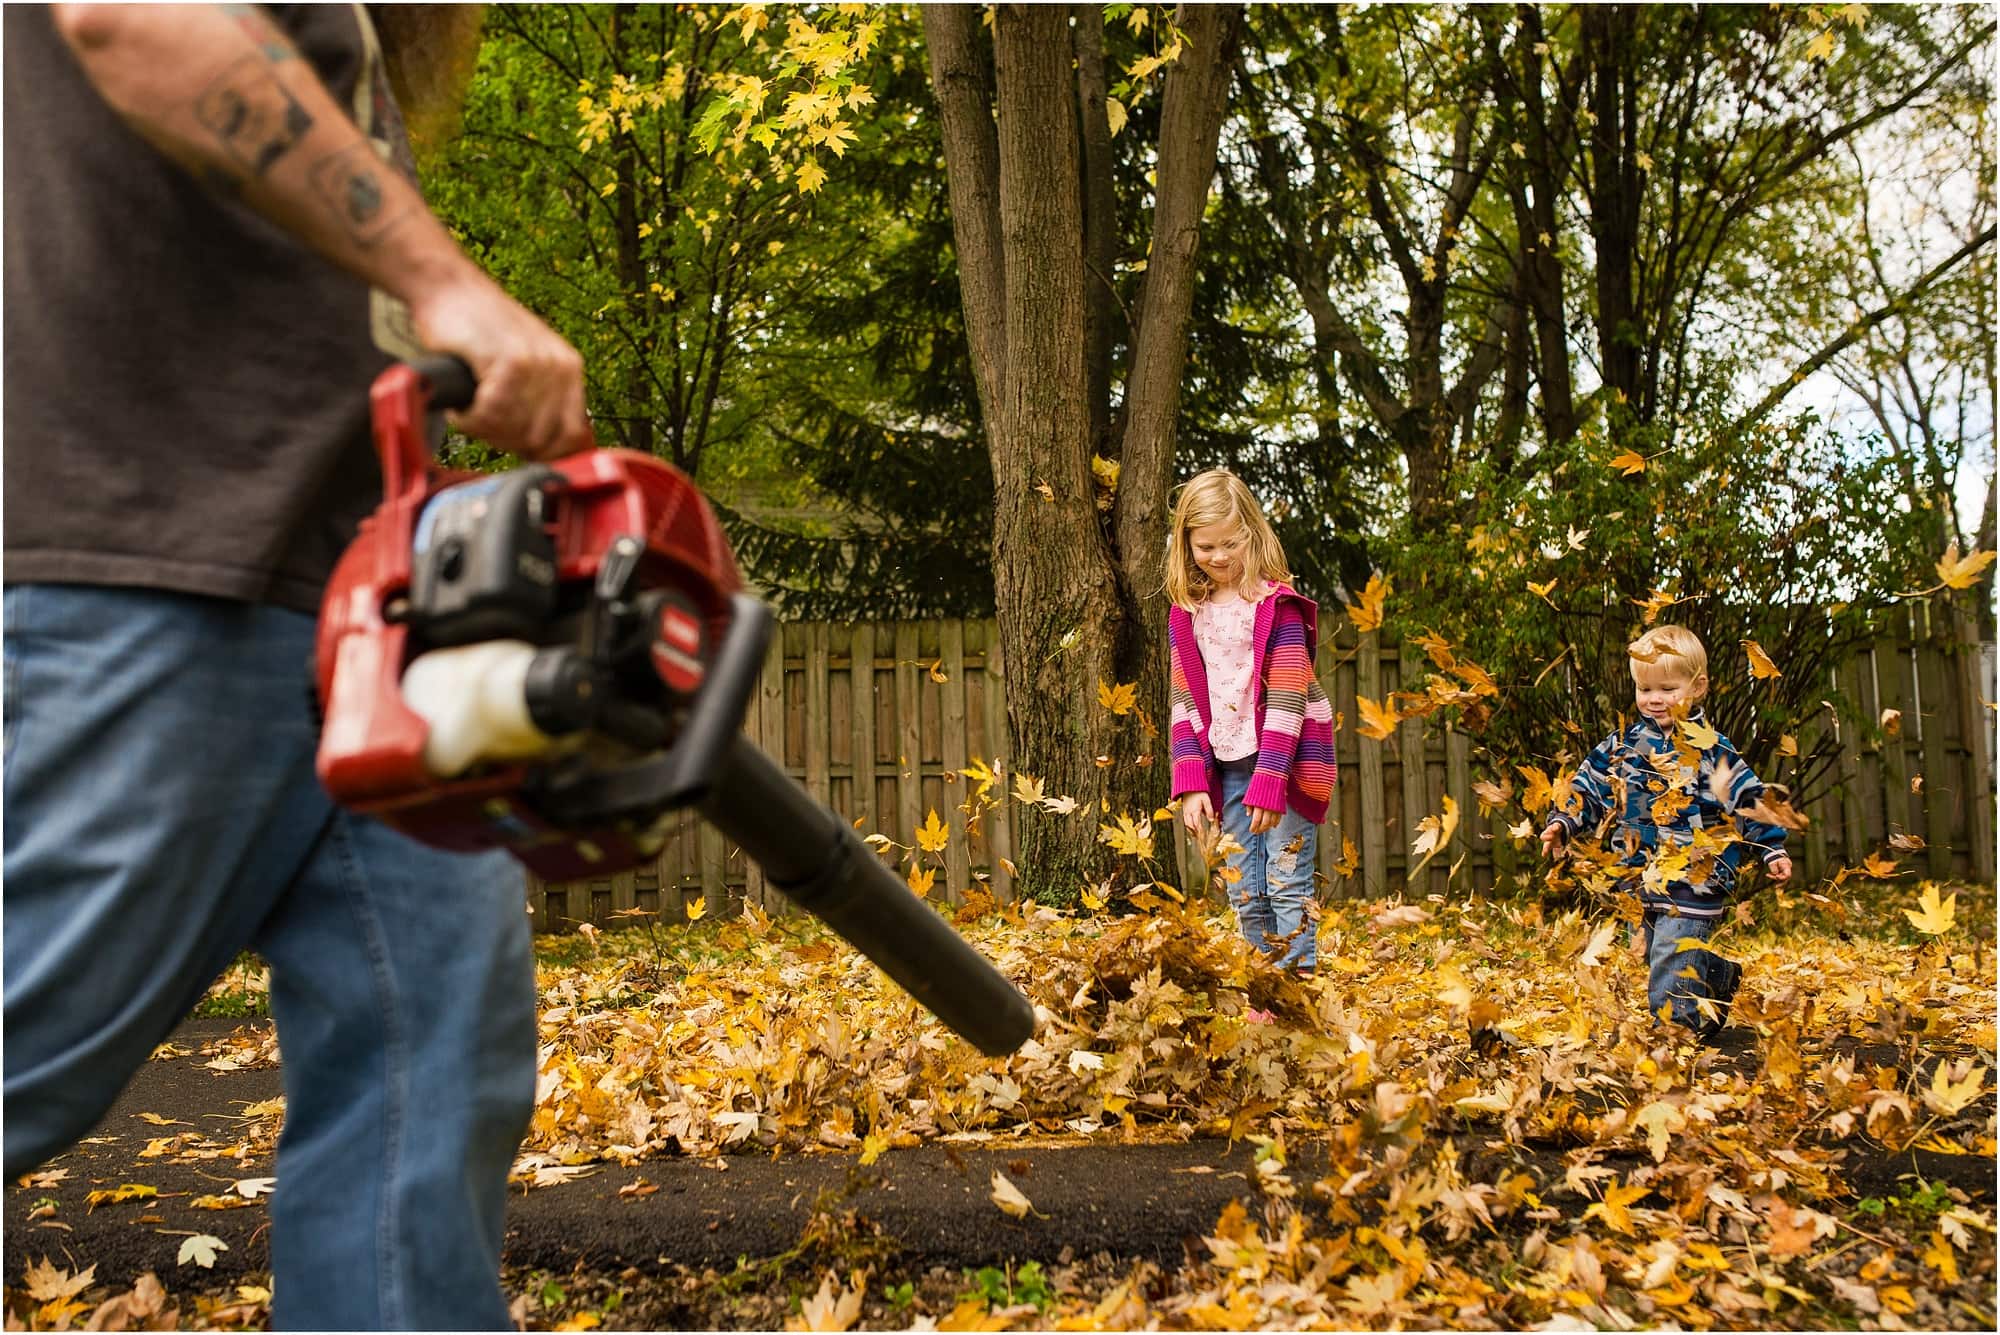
(1672, 813)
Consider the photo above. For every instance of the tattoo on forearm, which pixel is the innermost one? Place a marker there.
(350, 181)
(253, 114)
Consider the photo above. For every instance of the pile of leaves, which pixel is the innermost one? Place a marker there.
(1497, 1134)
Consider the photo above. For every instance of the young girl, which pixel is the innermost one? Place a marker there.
(1252, 732)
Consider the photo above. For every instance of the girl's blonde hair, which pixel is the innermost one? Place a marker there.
(1219, 497)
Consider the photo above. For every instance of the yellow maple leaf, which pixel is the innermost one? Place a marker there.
(1615, 1208)
(1542, 591)
(1950, 1097)
(932, 835)
(1541, 794)
(45, 1283)
(1630, 462)
(1788, 745)
(1821, 46)
(1880, 867)
(1938, 1256)
(1761, 666)
(1377, 721)
(922, 879)
(1931, 917)
(1120, 699)
(1699, 734)
(1367, 612)
(1028, 789)
(811, 176)
(1128, 838)
(696, 908)
(873, 1146)
(1960, 573)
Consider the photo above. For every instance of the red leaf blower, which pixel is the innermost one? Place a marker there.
(556, 659)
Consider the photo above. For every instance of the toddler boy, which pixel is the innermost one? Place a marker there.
(1672, 799)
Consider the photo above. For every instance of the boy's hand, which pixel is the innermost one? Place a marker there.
(1196, 811)
(1555, 841)
(1263, 820)
(1780, 868)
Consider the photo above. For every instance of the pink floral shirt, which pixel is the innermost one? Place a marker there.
(1225, 631)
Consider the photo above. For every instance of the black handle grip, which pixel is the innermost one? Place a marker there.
(449, 379)
(824, 868)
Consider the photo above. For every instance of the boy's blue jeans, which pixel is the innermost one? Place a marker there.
(1681, 979)
(161, 816)
(1276, 885)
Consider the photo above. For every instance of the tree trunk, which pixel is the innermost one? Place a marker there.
(1069, 607)
(1609, 34)
(1100, 226)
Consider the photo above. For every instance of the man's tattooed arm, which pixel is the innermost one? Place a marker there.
(223, 92)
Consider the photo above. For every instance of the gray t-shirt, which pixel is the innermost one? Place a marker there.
(186, 385)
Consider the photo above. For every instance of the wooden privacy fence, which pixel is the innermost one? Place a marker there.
(878, 718)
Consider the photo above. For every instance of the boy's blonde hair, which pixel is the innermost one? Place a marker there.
(1219, 497)
(1671, 649)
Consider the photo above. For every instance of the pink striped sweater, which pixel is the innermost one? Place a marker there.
(1295, 762)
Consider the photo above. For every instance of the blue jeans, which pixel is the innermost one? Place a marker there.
(1276, 886)
(161, 816)
(1681, 979)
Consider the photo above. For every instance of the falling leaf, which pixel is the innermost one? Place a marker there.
(1962, 574)
(1891, 722)
(921, 880)
(933, 835)
(1931, 917)
(1027, 789)
(1542, 591)
(1629, 463)
(1433, 833)
(1127, 838)
(1492, 796)
(1600, 941)
(937, 672)
(1046, 492)
(1699, 734)
(1906, 843)
(1377, 721)
(697, 908)
(1788, 745)
(1761, 666)
(1367, 612)
(201, 1249)
(1121, 699)
(1916, 783)
(1114, 113)
(1541, 794)
(1880, 867)
(1009, 1198)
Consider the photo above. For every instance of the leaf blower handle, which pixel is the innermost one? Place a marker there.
(449, 379)
(824, 868)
